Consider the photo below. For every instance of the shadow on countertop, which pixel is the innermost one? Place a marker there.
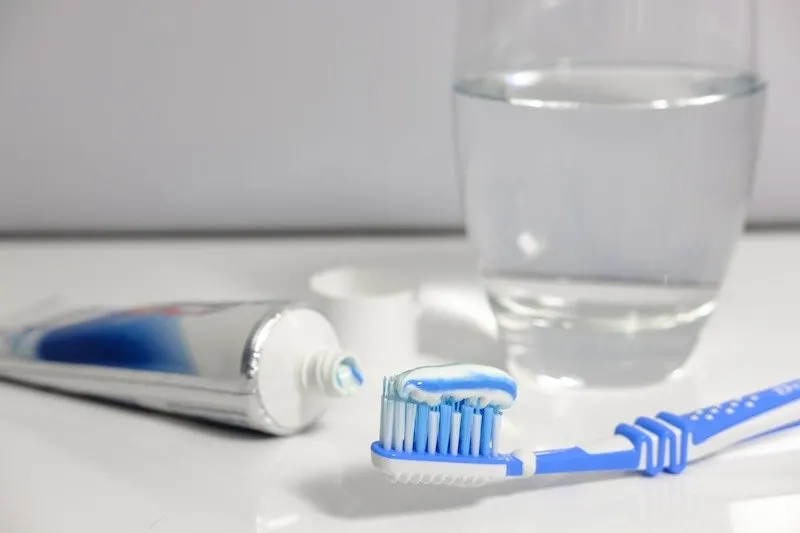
(366, 493)
(708, 487)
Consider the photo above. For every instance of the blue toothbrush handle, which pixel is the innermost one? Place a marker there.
(747, 416)
(668, 442)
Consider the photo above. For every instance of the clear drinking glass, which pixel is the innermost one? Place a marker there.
(606, 151)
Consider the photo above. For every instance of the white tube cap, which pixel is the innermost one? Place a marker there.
(375, 312)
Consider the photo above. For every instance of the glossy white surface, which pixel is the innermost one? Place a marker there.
(74, 465)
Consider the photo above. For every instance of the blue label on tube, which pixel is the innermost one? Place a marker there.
(140, 340)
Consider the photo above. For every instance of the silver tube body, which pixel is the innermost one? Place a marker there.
(235, 363)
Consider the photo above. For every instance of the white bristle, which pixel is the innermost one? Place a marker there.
(381, 432)
(386, 417)
(455, 430)
(476, 434)
(433, 430)
(498, 418)
(382, 429)
(386, 442)
(399, 425)
(411, 412)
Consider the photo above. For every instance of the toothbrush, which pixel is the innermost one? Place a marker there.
(441, 425)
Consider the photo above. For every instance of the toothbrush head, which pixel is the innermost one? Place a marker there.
(441, 425)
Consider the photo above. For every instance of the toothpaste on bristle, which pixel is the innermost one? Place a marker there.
(480, 385)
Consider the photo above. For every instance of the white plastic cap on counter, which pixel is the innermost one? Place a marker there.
(375, 312)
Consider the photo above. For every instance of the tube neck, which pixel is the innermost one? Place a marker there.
(332, 372)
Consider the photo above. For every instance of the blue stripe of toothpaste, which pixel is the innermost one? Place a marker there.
(436, 385)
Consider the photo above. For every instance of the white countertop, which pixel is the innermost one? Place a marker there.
(68, 464)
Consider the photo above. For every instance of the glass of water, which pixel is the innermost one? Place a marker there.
(606, 150)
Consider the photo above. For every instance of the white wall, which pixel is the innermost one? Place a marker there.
(276, 114)
(777, 196)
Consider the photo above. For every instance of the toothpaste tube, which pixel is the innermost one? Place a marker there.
(270, 366)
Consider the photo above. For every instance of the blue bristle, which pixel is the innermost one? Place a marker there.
(421, 428)
(487, 422)
(445, 412)
(466, 429)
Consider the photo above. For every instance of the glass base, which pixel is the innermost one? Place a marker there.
(597, 335)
